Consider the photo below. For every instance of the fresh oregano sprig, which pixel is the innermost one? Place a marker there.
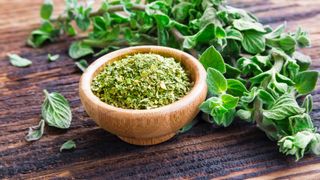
(254, 71)
(270, 99)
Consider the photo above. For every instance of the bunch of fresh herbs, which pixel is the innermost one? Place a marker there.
(254, 72)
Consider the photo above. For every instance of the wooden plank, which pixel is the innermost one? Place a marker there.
(239, 151)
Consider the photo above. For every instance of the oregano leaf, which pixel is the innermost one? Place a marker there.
(46, 9)
(19, 61)
(35, 132)
(253, 42)
(212, 58)
(56, 111)
(70, 144)
(306, 81)
(217, 84)
(78, 49)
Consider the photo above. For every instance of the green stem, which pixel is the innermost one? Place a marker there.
(46, 93)
(103, 44)
(257, 105)
(114, 8)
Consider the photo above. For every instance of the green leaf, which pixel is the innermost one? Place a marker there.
(35, 132)
(53, 57)
(260, 77)
(249, 97)
(212, 58)
(222, 116)
(303, 61)
(46, 9)
(219, 32)
(232, 72)
(56, 111)
(204, 35)
(234, 34)
(266, 97)
(217, 84)
(284, 107)
(243, 25)
(302, 38)
(299, 144)
(82, 64)
(46, 32)
(276, 32)
(70, 144)
(181, 10)
(261, 61)
(69, 29)
(162, 21)
(308, 103)
(253, 42)
(235, 87)
(244, 115)
(18, 61)
(78, 49)
(231, 48)
(238, 13)
(285, 42)
(209, 104)
(209, 16)
(248, 66)
(300, 122)
(306, 81)
(82, 17)
(229, 102)
(284, 79)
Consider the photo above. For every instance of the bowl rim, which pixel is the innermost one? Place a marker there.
(197, 88)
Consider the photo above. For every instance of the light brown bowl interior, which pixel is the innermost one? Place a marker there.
(144, 124)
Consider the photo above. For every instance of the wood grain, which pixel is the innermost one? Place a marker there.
(237, 152)
(151, 126)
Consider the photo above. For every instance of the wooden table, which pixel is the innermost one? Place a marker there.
(239, 151)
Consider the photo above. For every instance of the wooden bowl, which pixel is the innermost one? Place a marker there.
(145, 127)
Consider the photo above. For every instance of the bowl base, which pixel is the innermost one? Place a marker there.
(147, 141)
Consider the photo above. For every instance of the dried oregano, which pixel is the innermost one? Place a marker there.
(141, 81)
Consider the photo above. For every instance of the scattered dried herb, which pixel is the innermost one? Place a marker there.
(142, 81)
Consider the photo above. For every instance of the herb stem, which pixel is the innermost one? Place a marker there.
(103, 44)
(257, 105)
(114, 8)
(46, 93)
(179, 37)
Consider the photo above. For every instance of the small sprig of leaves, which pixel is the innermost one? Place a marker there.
(274, 81)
